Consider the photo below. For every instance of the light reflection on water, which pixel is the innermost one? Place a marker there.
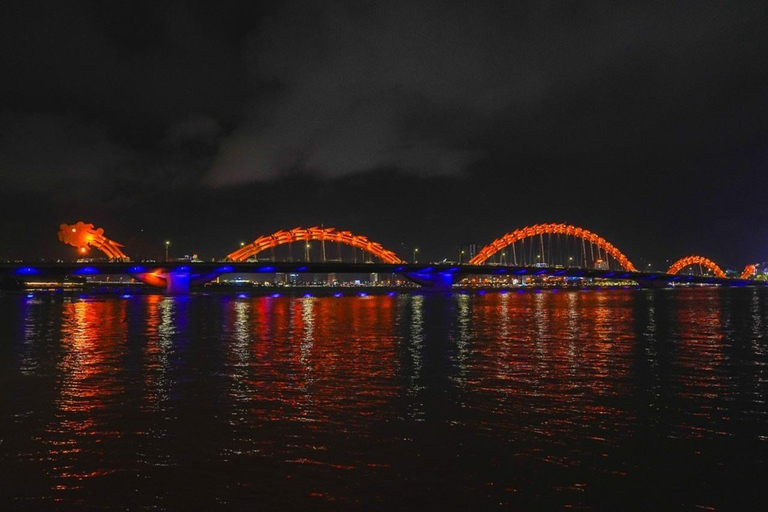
(601, 399)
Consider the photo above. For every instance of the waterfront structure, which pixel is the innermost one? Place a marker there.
(569, 251)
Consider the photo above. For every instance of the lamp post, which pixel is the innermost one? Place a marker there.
(415, 251)
(167, 245)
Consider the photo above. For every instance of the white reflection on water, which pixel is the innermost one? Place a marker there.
(464, 322)
(160, 331)
(240, 354)
(307, 339)
(307, 383)
(415, 352)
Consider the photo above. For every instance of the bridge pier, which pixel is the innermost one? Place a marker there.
(434, 281)
(653, 284)
(177, 283)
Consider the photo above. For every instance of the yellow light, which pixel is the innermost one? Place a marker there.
(82, 250)
(74, 230)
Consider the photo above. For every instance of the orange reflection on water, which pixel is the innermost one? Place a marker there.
(699, 315)
(309, 368)
(525, 392)
(301, 349)
(89, 364)
(563, 357)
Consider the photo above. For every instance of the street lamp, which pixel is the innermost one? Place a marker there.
(167, 245)
(306, 253)
(414, 255)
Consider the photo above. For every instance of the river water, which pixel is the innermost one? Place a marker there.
(588, 399)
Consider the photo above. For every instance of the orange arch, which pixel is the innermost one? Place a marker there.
(82, 235)
(749, 271)
(695, 260)
(309, 234)
(551, 229)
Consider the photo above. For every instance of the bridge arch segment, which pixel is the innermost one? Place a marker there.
(696, 260)
(300, 234)
(749, 271)
(551, 229)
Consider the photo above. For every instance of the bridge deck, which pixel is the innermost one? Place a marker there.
(31, 270)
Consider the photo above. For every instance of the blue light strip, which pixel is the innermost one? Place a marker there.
(86, 271)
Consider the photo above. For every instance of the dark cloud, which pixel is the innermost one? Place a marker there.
(423, 86)
(193, 129)
(417, 123)
(42, 150)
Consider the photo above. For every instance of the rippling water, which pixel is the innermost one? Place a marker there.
(609, 400)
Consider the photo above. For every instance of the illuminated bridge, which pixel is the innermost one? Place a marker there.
(541, 250)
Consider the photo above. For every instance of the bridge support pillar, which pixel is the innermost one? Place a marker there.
(437, 281)
(8, 283)
(177, 283)
(653, 283)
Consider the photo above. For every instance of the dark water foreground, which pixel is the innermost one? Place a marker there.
(608, 400)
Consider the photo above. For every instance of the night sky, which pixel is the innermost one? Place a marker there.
(417, 123)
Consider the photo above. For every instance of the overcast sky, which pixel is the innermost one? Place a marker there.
(422, 124)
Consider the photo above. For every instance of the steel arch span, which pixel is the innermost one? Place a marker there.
(749, 271)
(551, 229)
(696, 260)
(313, 234)
(82, 235)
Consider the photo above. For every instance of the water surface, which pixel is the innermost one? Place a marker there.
(600, 399)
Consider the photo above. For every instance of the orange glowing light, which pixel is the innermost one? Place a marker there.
(85, 235)
(551, 229)
(313, 233)
(696, 260)
(749, 271)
